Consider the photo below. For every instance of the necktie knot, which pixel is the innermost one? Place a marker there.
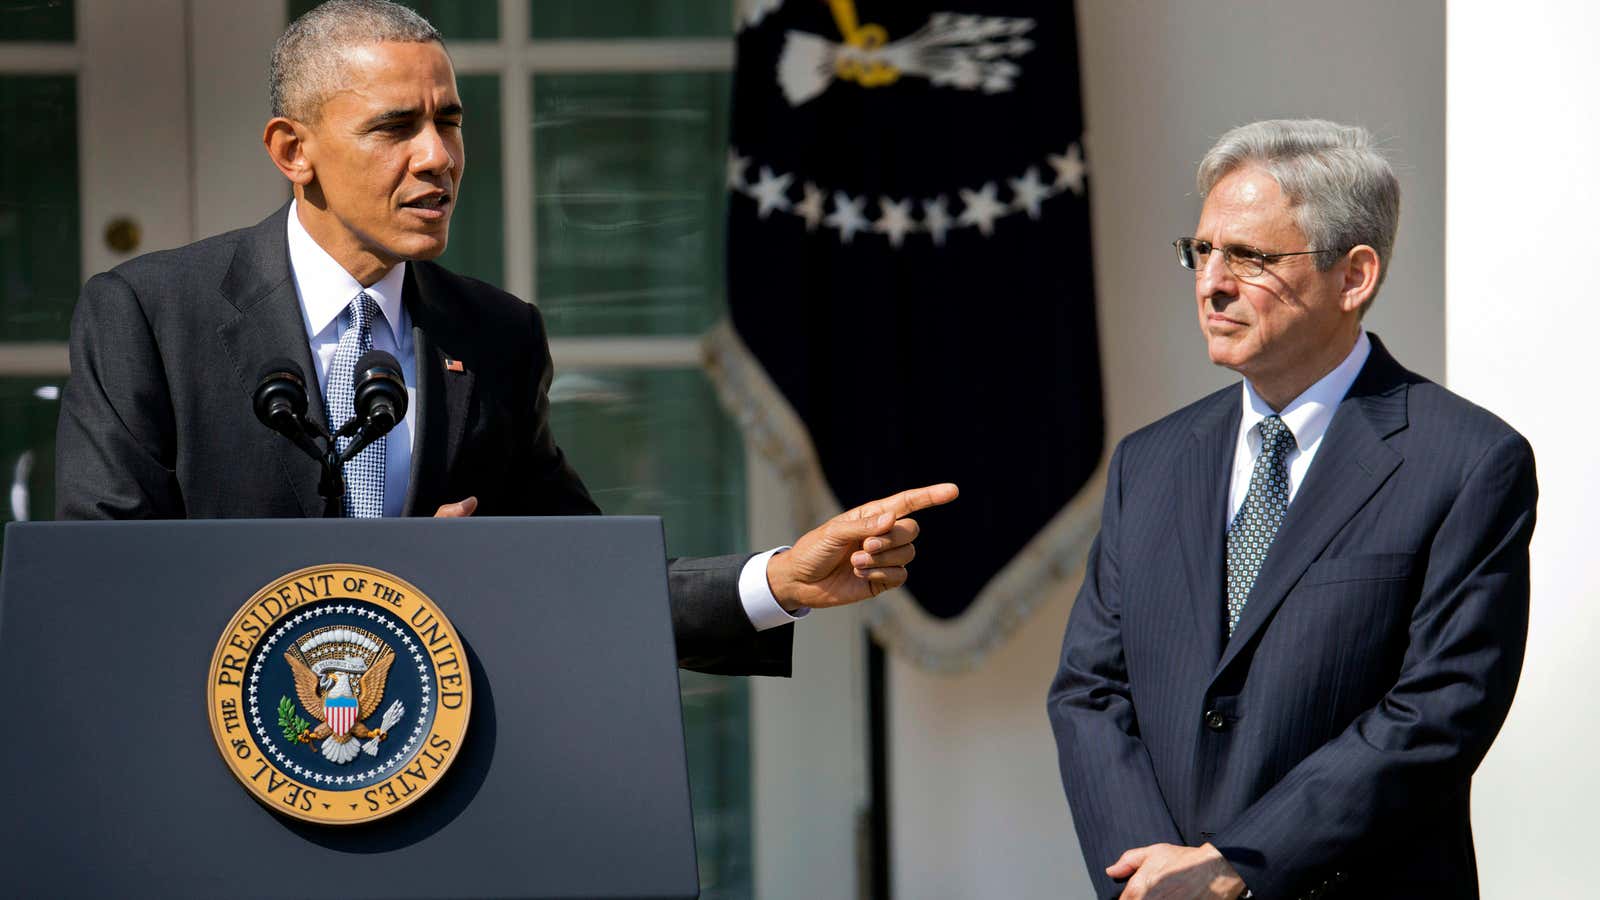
(1276, 438)
(363, 311)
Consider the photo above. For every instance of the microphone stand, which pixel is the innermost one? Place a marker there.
(280, 404)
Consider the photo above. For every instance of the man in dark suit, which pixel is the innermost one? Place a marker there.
(157, 421)
(1303, 620)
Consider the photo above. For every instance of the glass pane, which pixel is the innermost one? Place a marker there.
(28, 409)
(477, 227)
(36, 20)
(457, 20)
(658, 443)
(39, 242)
(628, 201)
(550, 19)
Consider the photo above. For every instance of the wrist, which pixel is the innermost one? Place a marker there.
(779, 578)
(1227, 879)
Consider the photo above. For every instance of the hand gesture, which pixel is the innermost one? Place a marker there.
(857, 554)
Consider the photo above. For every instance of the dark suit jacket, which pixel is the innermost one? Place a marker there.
(1327, 748)
(156, 419)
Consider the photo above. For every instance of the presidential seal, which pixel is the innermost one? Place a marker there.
(339, 694)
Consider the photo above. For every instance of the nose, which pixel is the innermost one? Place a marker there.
(1215, 281)
(430, 152)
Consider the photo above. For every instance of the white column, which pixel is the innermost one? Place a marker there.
(808, 734)
(230, 43)
(1522, 315)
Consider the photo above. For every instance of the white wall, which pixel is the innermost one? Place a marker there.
(977, 809)
(1523, 316)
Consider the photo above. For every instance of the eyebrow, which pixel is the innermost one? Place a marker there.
(407, 115)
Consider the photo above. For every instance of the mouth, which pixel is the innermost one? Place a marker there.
(430, 206)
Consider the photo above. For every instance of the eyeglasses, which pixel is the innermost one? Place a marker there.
(1245, 262)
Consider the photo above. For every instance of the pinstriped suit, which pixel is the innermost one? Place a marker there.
(1327, 748)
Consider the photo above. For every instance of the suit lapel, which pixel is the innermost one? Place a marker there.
(444, 396)
(1203, 471)
(1351, 464)
(267, 324)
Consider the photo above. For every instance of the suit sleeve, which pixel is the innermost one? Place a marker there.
(1431, 729)
(1110, 782)
(712, 629)
(115, 439)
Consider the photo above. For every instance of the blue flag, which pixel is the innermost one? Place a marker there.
(909, 263)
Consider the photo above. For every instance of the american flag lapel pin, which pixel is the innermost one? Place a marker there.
(453, 365)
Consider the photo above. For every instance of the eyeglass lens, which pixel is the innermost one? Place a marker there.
(1192, 254)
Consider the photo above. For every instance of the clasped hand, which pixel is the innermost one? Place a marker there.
(1170, 872)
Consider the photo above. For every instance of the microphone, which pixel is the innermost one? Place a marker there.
(381, 397)
(380, 401)
(280, 403)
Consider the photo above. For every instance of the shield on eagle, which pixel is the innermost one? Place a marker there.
(341, 714)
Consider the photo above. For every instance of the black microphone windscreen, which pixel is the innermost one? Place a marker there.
(380, 390)
(280, 394)
(282, 366)
(378, 359)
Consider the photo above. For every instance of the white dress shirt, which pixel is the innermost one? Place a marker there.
(1307, 416)
(326, 289)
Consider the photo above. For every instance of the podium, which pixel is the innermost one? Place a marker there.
(571, 781)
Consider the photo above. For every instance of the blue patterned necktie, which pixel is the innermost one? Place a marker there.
(1265, 504)
(363, 474)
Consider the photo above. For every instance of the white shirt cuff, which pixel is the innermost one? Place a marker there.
(756, 595)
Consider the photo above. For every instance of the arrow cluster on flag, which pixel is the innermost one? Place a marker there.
(897, 218)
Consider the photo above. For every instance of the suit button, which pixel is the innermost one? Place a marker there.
(1215, 720)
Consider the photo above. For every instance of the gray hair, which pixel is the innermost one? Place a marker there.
(308, 60)
(1342, 190)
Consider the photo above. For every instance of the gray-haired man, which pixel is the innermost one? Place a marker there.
(1303, 620)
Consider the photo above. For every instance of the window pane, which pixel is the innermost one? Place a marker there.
(629, 18)
(457, 20)
(28, 409)
(477, 227)
(658, 443)
(36, 20)
(628, 201)
(39, 242)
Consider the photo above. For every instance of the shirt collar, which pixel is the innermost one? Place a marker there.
(325, 288)
(1308, 415)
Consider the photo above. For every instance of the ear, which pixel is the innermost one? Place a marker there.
(285, 140)
(1361, 270)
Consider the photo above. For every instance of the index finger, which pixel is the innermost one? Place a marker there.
(907, 502)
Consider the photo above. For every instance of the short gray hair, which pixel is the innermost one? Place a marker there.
(308, 60)
(1342, 190)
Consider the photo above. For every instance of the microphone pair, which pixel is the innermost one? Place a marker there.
(280, 402)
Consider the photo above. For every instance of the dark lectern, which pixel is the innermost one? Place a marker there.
(571, 781)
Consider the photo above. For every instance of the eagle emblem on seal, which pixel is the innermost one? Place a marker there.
(339, 676)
